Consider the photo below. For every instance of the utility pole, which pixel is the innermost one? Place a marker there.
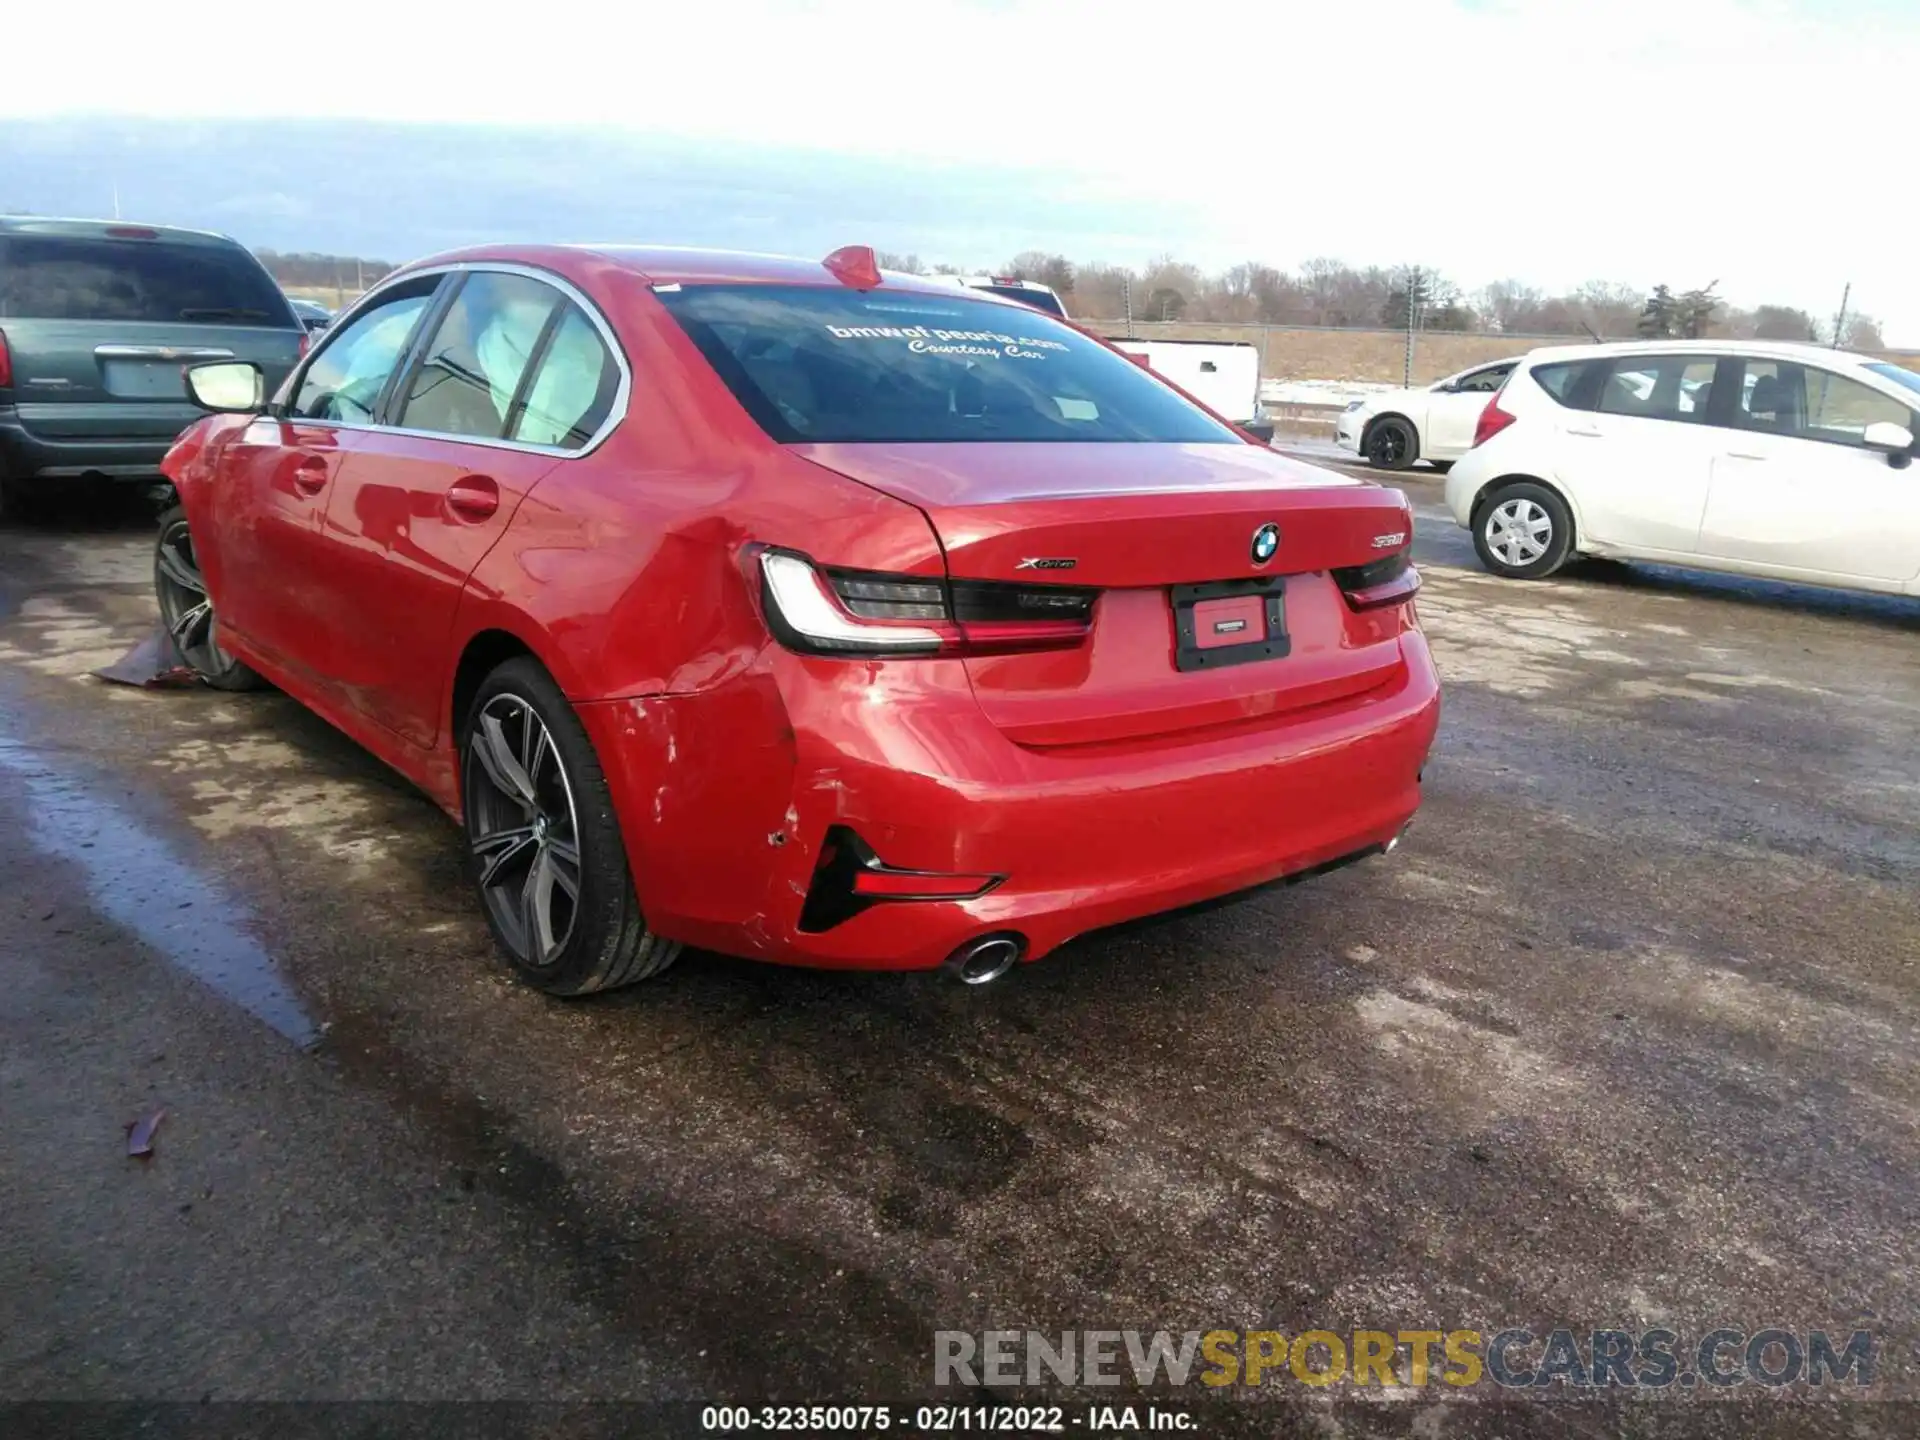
(1126, 290)
(1413, 306)
(1840, 320)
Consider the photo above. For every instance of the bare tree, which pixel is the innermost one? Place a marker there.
(1052, 270)
(1783, 322)
(1512, 308)
(906, 264)
(1608, 307)
(1862, 333)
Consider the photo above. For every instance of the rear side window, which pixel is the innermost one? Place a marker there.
(75, 277)
(1569, 381)
(826, 364)
(472, 368)
(573, 388)
(1659, 387)
(345, 379)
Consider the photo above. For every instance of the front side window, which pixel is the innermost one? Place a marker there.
(824, 364)
(1783, 397)
(76, 277)
(1659, 387)
(471, 369)
(1483, 382)
(345, 378)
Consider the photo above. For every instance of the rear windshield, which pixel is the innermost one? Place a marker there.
(72, 277)
(827, 365)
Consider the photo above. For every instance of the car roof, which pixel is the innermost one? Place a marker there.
(683, 265)
(1778, 349)
(104, 230)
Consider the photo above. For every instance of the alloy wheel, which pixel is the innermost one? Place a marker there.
(1386, 446)
(184, 606)
(1518, 531)
(523, 829)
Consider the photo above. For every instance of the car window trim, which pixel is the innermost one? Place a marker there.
(1807, 368)
(282, 406)
(543, 342)
(413, 355)
(622, 396)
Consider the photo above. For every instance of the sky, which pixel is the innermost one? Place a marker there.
(1758, 143)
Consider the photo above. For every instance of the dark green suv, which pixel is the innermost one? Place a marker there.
(97, 322)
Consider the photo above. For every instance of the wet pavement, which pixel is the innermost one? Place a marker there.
(1623, 1036)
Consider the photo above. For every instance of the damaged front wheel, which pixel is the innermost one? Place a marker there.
(187, 611)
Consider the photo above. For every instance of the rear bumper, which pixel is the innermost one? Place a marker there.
(1346, 433)
(725, 798)
(26, 456)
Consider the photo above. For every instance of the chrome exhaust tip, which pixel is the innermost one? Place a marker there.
(982, 961)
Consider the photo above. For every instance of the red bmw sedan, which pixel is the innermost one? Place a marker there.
(800, 611)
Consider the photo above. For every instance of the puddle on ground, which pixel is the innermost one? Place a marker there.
(137, 880)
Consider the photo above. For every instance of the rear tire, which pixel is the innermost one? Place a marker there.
(544, 849)
(187, 610)
(1390, 444)
(1522, 530)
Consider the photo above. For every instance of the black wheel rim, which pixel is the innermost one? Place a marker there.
(1388, 445)
(184, 607)
(523, 830)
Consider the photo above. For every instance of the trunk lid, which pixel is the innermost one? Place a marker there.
(1191, 629)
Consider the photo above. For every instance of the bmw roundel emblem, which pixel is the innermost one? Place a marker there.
(1266, 540)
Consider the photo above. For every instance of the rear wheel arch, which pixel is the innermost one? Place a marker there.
(1520, 477)
(483, 653)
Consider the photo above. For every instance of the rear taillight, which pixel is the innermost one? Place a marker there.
(1387, 581)
(306, 342)
(1492, 421)
(826, 612)
(6, 363)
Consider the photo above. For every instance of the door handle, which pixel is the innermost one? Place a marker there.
(1585, 434)
(1743, 455)
(473, 497)
(310, 476)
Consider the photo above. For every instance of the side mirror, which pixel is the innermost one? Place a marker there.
(235, 387)
(1893, 441)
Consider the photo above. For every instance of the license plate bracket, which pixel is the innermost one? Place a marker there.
(1196, 609)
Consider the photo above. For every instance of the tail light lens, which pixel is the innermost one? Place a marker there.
(1388, 581)
(6, 363)
(306, 342)
(826, 612)
(1492, 421)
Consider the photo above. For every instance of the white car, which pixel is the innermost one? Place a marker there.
(1784, 461)
(1397, 427)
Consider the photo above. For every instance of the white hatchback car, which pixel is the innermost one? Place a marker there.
(1393, 429)
(1784, 461)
